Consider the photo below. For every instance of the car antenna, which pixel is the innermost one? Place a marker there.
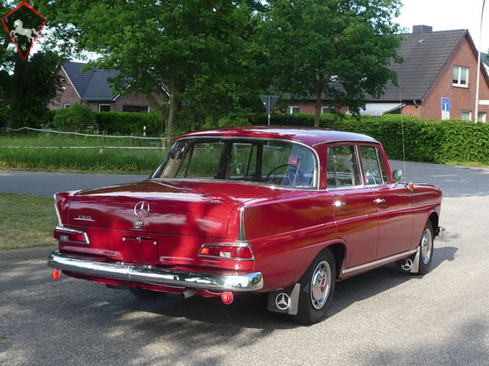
(402, 137)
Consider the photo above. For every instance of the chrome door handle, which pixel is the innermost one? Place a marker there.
(379, 201)
(339, 204)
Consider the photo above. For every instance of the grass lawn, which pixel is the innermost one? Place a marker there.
(26, 221)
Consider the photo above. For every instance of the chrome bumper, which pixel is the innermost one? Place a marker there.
(155, 276)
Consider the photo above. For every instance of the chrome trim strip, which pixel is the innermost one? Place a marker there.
(156, 276)
(72, 231)
(56, 210)
(379, 262)
(237, 244)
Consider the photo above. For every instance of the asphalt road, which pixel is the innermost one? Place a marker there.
(378, 318)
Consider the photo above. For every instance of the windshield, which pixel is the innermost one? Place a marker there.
(277, 162)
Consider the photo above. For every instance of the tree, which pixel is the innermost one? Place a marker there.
(199, 49)
(337, 49)
(26, 86)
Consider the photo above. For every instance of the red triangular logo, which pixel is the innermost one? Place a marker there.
(24, 24)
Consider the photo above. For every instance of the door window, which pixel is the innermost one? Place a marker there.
(342, 167)
(373, 165)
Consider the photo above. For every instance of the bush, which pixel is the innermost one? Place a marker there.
(77, 118)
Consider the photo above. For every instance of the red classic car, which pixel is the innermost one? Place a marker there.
(283, 211)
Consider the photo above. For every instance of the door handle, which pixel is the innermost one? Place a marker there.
(379, 201)
(339, 204)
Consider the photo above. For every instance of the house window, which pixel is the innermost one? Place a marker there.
(294, 110)
(481, 117)
(466, 116)
(104, 107)
(135, 108)
(66, 105)
(460, 76)
(326, 110)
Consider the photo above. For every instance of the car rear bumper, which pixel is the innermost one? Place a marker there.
(155, 276)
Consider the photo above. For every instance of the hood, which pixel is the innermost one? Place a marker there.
(199, 208)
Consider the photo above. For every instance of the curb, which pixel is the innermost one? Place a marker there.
(27, 254)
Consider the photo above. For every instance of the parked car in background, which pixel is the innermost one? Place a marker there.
(283, 211)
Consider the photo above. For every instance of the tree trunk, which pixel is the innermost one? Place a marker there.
(176, 86)
(319, 92)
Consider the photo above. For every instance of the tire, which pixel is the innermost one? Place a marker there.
(317, 289)
(142, 293)
(426, 249)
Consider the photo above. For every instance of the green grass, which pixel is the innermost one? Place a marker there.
(49, 152)
(26, 221)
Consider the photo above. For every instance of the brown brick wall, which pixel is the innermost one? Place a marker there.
(461, 99)
(66, 96)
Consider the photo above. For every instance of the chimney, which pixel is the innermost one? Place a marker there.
(418, 29)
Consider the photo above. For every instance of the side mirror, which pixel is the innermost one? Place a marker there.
(397, 175)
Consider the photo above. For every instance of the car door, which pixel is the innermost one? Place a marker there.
(354, 209)
(393, 204)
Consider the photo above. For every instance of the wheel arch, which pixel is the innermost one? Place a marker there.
(339, 253)
(434, 218)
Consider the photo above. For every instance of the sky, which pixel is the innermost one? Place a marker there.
(448, 15)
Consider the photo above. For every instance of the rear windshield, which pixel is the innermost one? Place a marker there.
(274, 162)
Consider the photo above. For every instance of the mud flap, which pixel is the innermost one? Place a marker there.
(285, 301)
(415, 267)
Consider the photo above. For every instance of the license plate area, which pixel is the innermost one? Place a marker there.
(139, 250)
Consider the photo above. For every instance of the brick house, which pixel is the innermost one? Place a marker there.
(437, 79)
(91, 88)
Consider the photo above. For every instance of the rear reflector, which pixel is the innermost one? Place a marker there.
(56, 274)
(227, 297)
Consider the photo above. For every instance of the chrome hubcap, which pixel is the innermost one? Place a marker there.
(320, 284)
(426, 246)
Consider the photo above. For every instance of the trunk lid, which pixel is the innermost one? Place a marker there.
(198, 208)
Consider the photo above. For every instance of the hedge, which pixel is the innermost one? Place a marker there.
(127, 123)
(433, 141)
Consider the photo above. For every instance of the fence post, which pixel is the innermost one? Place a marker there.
(132, 139)
(104, 137)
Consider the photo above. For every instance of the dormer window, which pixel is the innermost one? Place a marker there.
(460, 76)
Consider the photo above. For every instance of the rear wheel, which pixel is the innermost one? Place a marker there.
(317, 288)
(425, 258)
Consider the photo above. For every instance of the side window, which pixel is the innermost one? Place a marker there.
(373, 165)
(342, 167)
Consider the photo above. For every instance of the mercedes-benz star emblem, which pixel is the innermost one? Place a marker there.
(141, 209)
(282, 301)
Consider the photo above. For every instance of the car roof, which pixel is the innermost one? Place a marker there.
(309, 136)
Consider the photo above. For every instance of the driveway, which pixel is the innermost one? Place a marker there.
(378, 318)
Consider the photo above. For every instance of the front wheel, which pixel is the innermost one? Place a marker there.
(317, 288)
(425, 257)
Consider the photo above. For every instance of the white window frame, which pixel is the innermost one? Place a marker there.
(481, 117)
(102, 104)
(327, 109)
(459, 83)
(292, 107)
(66, 105)
(466, 112)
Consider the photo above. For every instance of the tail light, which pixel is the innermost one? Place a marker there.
(65, 235)
(237, 251)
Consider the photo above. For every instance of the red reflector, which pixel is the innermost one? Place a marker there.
(227, 297)
(56, 274)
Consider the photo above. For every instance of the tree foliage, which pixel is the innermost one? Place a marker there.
(26, 86)
(200, 50)
(339, 50)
